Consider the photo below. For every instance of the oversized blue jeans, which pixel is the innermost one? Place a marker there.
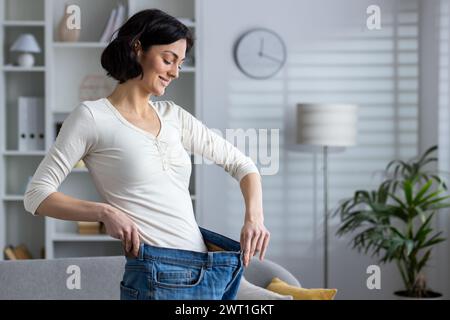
(160, 273)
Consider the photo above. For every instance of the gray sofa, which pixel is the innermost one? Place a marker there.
(99, 277)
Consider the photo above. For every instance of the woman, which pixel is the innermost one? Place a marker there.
(136, 152)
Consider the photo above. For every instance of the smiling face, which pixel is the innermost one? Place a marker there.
(161, 65)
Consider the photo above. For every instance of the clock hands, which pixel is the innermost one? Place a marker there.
(264, 55)
(270, 57)
(261, 47)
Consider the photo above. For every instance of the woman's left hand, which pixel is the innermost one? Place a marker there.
(254, 238)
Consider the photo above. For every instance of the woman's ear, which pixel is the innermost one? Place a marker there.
(137, 48)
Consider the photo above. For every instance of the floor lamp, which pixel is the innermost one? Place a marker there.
(326, 125)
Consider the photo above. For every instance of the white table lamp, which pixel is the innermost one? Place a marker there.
(27, 44)
(326, 125)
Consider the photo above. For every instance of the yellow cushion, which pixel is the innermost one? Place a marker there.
(279, 286)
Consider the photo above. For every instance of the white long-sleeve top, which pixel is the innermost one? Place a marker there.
(146, 177)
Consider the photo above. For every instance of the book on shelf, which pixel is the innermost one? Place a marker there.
(88, 227)
(80, 165)
(102, 228)
(116, 18)
(120, 19)
(19, 252)
(107, 32)
(9, 253)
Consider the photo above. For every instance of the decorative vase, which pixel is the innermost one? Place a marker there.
(65, 34)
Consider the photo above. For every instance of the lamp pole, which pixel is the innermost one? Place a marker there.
(326, 125)
(325, 215)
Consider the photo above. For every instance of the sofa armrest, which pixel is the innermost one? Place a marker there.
(260, 273)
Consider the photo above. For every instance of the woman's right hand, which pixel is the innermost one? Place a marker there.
(118, 225)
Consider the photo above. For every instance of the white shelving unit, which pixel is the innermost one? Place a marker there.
(57, 74)
(22, 69)
(74, 45)
(22, 23)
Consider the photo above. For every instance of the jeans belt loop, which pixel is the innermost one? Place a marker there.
(210, 260)
(141, 252)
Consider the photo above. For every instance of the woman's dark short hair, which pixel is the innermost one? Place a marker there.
(150, 27)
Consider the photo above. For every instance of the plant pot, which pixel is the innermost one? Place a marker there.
(431, 295)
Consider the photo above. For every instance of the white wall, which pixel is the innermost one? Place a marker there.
(299, 22)
(435, 109)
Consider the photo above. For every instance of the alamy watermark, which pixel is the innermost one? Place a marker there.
(374, 280)
(263, 147)
(73, 20)
(373, 21)
(74, 280)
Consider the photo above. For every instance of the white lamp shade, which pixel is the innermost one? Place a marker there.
(26, 43)
(333, 125)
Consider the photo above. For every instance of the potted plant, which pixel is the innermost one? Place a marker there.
(394, 221)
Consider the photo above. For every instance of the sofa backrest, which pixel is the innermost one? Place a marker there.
(47, 279)
(99, 277)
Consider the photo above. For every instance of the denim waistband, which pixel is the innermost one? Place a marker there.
(229, 252)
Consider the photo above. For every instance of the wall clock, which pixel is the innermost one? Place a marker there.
(260, 53)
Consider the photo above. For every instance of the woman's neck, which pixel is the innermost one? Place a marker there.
(129, 98)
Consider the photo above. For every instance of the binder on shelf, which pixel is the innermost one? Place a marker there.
(31, 126)
(22, 124)
(40, 132)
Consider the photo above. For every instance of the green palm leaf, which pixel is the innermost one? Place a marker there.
(394, 221)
